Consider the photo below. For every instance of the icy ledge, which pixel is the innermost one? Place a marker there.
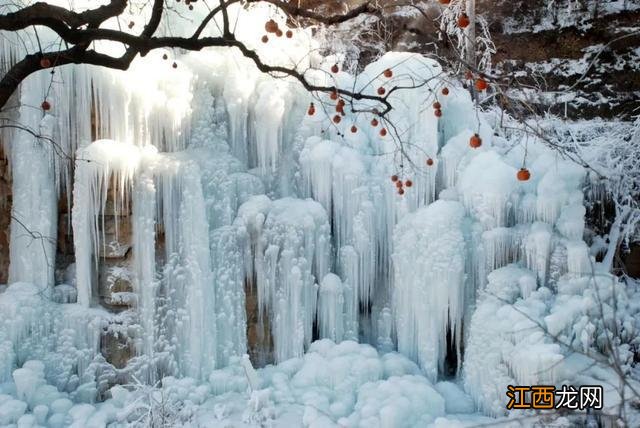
(346, 384)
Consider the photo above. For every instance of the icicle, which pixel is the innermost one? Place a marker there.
(316, 161)
(331, 308)
(499, 248)
(526, 210)
(98, 166)
(295, 250)
(237, 94)
(188, 278)
(487, 188)
(34, 207)
(349, 270)
(571, 221)
(578, 260)
(429, 285)
(144, 243)
(537, 250)
(228, 281)
(270, 109)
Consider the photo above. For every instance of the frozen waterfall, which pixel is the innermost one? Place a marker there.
(197, 194)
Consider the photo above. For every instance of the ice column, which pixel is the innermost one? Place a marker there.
(429, 282)
(331, 308)
(188, 275)
(292, 244)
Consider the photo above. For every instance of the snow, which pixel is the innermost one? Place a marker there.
(346, 384)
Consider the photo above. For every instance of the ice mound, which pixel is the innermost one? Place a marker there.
(346, 384)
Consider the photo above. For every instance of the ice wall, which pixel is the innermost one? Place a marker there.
(232, 186)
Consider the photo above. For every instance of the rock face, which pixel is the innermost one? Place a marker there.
(259, 340)
(581, 56)
(631, 261)
(586, 56)
(117, 348)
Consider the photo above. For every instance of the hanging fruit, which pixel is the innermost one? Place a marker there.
(337, 118)
(335, 68)
(400, 192)
(174, 65)
(354, 129)
(445, 1)
(438, 113)
(279, 33)
(475, 141)
(334, 95)
(437, 105)
(383, 132)
(289, 34)
(165, 57)
(524, 174)
(381, 90)
(265, 39)
(463, 21)
(388, 73)
(445, 91)
(374, 122)
(408, 183)
(45, 105)
(339, 108)
(399, 184)
(429, 162)
(45, 63)
(481, 84)
(394, 178)
(312, 109)
(271, 26)
(131, 24)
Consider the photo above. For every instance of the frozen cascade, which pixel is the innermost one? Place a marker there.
(34, 220)
(204, 229)
(144, 242)
(349, 266)
(499, 247)
(228, 281)
(237, 94)
(187, 277)
(429, 282)
(294, 249)
(99, 166)
(529, 357)
(65, 337)
(336, 177)
(487, 188)
(331, 308)
(537, 250)
(269, 123)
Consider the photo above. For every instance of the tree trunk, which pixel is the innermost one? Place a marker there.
(471, 34)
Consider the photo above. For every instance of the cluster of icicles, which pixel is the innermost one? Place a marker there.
(248, 192)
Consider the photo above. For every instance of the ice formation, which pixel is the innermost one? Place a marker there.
(429, 283)
(233, 193)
